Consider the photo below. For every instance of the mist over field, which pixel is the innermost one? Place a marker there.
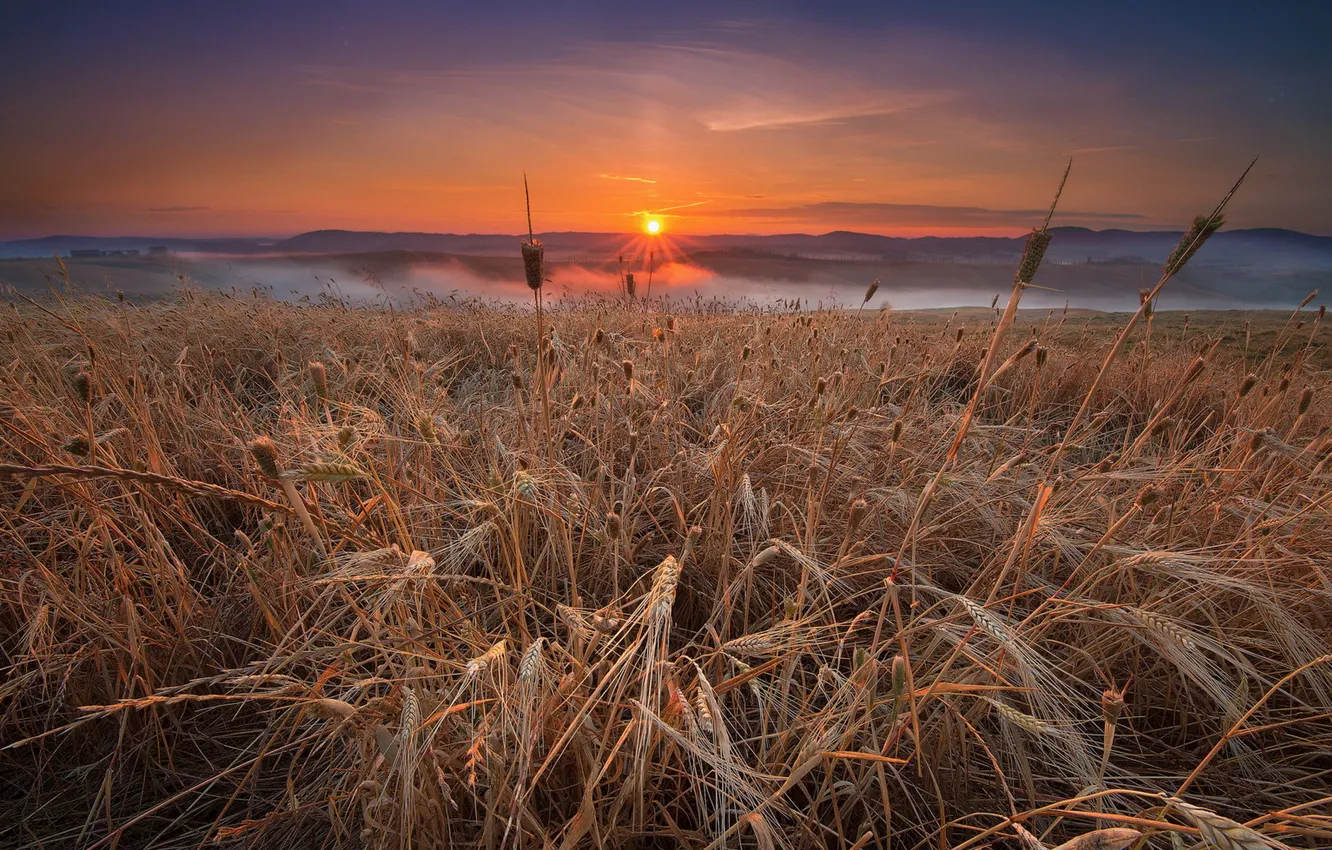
(972, 277)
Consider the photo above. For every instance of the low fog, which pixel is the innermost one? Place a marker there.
(401, 279)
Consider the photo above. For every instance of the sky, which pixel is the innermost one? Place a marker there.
(947, 118)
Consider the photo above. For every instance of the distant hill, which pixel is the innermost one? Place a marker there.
(1269, 248)
(1257, 249)
(1260, 267)
(63, 245)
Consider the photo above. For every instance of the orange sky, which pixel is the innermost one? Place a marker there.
(762, 127)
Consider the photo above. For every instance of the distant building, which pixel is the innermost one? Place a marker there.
(158, 249)
(88, 253)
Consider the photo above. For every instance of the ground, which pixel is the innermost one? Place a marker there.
(328, 576)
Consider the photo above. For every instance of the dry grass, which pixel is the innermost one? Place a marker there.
(765, 579)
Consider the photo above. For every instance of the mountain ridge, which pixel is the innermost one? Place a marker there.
(1275, 249)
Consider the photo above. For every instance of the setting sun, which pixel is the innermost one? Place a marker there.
(653, 226)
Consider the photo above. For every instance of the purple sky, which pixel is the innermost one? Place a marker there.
(273, 118)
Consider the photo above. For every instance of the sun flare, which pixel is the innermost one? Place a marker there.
(653, 226)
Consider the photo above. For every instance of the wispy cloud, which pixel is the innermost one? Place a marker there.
(335, 78)
(625, 177)
(1104, 149)
(176, 209)
(834, 213)
(775, 116)
(665, 210)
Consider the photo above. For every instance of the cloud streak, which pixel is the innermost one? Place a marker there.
(922, 215)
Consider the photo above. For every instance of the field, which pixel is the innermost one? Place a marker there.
(283, 575)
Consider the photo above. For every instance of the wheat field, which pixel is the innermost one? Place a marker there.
(294, 576)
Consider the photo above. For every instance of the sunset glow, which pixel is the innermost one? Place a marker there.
(653, 226)
(728, 118)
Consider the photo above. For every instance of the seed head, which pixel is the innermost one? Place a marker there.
(1249, 381)
(1113, 838)
(1032, 254)
(869, 293)
(791, 608)
(82, 383)
(265, 456)
(534, 263)
(531, 665)
(1195, 369)
(1026, 349)
(1042, 354)
(319, 377)
(1112, 704)
(664, 582)
(1306, 399)
(1198, 233)
(628, 368)
(525, 486)
(861, 658)
(479, 664)
(899, 676)
(1222, 832)
(329, 472)
(1020, 719)
(346, 436)
(859, 510)
(766, 556)
(426, 425)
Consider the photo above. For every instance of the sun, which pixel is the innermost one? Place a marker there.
(653, 226)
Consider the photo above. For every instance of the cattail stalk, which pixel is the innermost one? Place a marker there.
(265, 457)
(534, 267)
(1171, 268)
(1037, 243)
(869, 293)
(83, 388)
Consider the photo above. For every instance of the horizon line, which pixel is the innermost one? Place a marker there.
(1018, 234)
